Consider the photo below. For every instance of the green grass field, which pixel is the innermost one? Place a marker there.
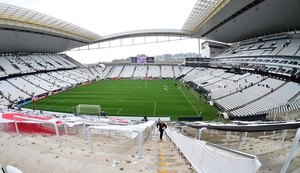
(133, 98)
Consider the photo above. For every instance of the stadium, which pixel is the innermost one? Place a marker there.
(232, 108)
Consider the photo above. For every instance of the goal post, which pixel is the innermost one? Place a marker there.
(88, 109)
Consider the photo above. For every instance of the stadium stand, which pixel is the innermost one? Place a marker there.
(20, 64)
(256, 74)
(106, 71)
(153, 71)
(51, 62)
(167, 72)
(177, 71)
(11, 92)
(127, 71)
(140, 72)
(44, 84)
(115, 72)
(26, 86)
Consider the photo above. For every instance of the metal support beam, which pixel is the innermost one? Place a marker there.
(227, 136)
(283, 136)
(240, 139)
(245, 136)
(199, 47)
(273, 136)
(41, 121)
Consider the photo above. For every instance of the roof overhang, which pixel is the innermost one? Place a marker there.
(235, 20)
(24, 30)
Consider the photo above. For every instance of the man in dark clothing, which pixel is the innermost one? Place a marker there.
(161, 127)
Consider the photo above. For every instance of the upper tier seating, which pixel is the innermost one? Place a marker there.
(42, 62)
(276, 47)
(51, 62)
(8, 67)
(20, 64)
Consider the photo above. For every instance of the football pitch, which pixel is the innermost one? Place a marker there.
(132, 98)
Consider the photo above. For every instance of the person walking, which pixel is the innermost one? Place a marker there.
(161, 127)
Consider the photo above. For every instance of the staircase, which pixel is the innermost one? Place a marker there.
(168, 159)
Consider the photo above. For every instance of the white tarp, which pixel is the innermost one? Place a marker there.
(206, 159)
(130, 129)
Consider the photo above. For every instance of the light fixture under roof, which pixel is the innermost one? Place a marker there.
(25, 18)
(202, 11)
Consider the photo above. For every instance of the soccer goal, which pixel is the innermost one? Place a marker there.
(88, 109)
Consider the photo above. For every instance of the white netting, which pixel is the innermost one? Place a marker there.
(88, 109)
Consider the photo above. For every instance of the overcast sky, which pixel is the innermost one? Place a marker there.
(106, 17)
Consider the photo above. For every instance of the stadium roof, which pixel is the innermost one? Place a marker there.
(202, 11)
(22, 17)
(24, 30)
(235, 20)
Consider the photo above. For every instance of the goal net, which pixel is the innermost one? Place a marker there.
(88, 109)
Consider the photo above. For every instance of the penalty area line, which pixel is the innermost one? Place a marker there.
(154, 108)
(119, 110)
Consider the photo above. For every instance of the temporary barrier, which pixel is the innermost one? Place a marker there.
(205, 157)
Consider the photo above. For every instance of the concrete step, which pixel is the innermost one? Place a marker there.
(169, 160)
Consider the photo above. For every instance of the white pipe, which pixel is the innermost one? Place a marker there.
(41, 121)
(283, 136)
(273, 136)
(292, 152)
(239, 142)
(16, 126)
(227, 136)
(245, 136)
(65, 128)
(89, 137)
(200, 132)
(140, 143)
